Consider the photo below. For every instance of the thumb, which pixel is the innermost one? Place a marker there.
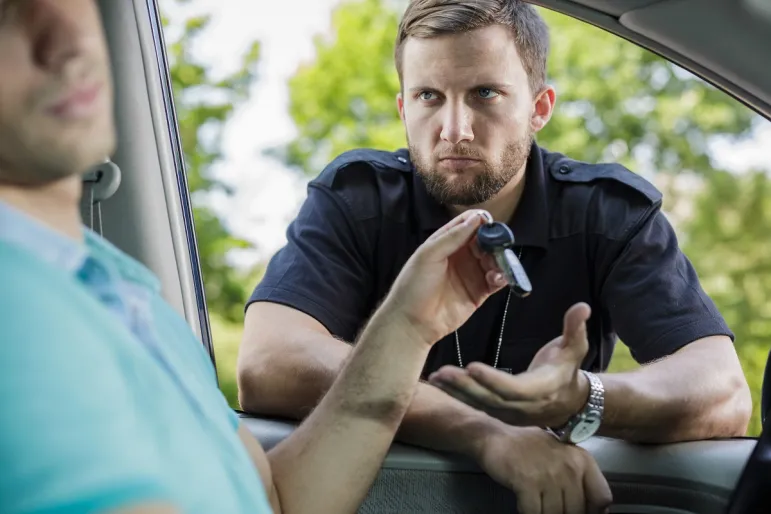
(574, 338)
(453, 236)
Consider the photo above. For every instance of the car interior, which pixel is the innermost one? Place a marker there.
(139, 200)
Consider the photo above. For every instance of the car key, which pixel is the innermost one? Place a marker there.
(496, 238)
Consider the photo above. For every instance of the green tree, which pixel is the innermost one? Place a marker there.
(616, 102)
(727, 239)
(204, 104)
(346, 98)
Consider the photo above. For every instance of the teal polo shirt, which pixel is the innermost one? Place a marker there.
(108, 399)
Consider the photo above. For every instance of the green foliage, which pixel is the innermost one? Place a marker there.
(346, 98)
(204, 104)
(615, 102)
(622, 359)
(227, 338)
(727, 240)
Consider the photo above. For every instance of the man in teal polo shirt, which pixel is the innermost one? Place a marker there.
(109, 402)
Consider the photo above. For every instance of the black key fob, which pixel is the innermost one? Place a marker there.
(496, 238)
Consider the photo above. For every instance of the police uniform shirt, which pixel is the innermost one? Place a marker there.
(589, 233)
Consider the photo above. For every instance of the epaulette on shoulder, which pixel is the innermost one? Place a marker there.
(563, 169)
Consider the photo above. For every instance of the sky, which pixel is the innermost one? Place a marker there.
(267, 195)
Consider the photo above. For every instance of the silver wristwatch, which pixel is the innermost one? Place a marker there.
(585, 424)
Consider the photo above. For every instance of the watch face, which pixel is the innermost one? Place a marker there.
(586, 428)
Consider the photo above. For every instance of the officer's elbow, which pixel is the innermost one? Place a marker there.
(284, 367)
(256, 370)
(272, 379)
(253, 381)
(726, 412)
(738, 407)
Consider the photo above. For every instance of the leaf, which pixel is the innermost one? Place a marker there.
(204, 106)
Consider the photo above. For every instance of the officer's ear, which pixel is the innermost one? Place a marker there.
(543, 107)
(400, 105)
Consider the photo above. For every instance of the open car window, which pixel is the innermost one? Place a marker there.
(255, 106)
(255, 127)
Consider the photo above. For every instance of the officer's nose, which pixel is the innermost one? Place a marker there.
(456, 124)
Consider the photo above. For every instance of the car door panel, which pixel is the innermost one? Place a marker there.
(684, 478)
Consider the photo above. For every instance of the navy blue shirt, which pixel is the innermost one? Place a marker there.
(589, 233)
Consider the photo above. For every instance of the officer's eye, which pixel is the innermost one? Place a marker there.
(427, 96)
(486, 93)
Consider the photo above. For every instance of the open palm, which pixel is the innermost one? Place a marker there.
(547, 394)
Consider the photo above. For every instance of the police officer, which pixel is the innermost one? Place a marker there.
(602, 259)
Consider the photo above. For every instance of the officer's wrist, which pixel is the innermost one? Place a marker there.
(576, 400)
(479, 432)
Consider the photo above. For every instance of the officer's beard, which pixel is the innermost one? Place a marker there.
(484, 184)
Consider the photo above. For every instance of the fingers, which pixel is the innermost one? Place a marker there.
(450, 241)
(458, 384)
(495, 281)
(573, 498)
(574, 325)
(455, 380)
(528, 386)
(499, 382)
(486, 260)
(529, 502)
(597, 490)
(478, 215)
(461, 396)
(551, 502)
(456, 233)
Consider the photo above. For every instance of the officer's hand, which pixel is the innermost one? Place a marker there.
(548, 477)
(445, 280)
(546, 395)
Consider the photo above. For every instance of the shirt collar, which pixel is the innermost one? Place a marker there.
(20, 229)
(530, 223)
(129, 268)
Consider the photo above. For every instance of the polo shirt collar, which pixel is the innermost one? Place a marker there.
(21, 230)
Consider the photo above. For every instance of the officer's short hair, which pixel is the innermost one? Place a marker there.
(432, 18)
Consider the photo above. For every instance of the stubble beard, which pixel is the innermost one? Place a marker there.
(484, 185)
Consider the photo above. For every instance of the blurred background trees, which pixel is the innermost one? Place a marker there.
(204, 105)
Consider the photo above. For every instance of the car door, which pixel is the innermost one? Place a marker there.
(150, 217)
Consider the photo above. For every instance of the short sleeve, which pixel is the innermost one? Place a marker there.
(324, 270)
(69, 440)
(652, 293)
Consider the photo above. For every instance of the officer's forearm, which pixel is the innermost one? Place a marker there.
(354, 424)
(697, 393)
(291, 380)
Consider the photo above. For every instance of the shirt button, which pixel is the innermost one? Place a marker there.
(402, 160)
(564, 169)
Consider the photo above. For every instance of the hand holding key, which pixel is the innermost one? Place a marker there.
(445, 280)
